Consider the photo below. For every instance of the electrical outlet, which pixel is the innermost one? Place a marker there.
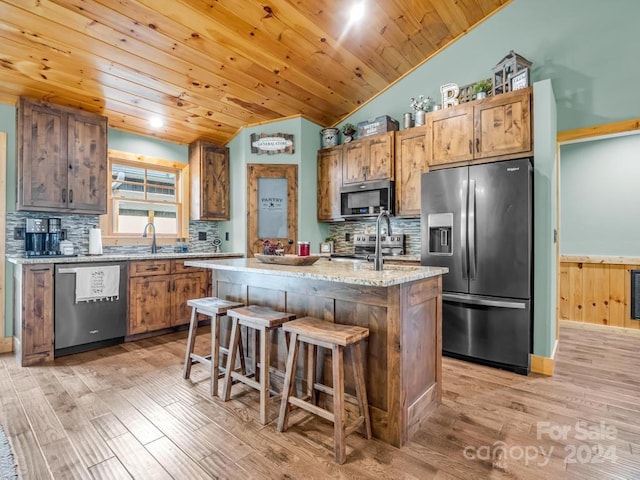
(18, 233)
(226, 236)
(202, 235)
(347, 237)
(63, 234)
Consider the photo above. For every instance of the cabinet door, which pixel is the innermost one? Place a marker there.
(37, 314)
(87, 153)
(411, 162)
(503, 125)
(354, 162)
(149, 303)
(186, 286)
(380, 156)
(209, 169)
(450, 135)
(329, 183)
(42, 157)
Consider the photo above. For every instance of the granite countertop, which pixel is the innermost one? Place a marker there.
(358, 273)
(115, 257)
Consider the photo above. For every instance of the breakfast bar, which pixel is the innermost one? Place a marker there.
(400, 305)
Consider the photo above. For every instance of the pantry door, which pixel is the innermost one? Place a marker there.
(272, 204)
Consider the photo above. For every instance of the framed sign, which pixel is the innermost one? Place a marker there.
(272, 143)
(520, 80)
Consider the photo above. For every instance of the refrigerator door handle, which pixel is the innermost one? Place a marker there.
(463, 228)
(469, 299)
(472, 229)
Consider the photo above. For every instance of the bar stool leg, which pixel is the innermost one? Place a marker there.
(338, 404)
(215, 353)
(193, 326)
(361, 390)
(231, 358)
(264, 376)
(289, 381)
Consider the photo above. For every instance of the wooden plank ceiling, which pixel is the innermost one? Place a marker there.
(210, 67)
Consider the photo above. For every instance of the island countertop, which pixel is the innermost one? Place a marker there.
(355, 273)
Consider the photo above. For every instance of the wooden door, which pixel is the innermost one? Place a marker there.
(87, 150)
(450, 135)
(272, 191)
(186, 286)
(380, 155)
(354, 162)
(503, 125)
(149, 303)
(411, 162)
(37, 314)
(42, 156)
(329, 183)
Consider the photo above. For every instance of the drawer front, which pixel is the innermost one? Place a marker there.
(149, 267)
(179, 266)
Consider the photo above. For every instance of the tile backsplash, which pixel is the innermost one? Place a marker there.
(77, 227)
(409, 226)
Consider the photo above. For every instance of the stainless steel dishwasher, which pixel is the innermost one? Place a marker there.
(87, 325)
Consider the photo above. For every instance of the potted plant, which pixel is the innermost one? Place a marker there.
(348, 130)
(481, 88)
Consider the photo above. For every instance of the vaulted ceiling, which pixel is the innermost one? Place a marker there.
(210, 67)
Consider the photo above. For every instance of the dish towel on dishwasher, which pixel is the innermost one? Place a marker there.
(97, 283)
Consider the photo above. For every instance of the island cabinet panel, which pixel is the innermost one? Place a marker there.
(400, 394)
(33, 341)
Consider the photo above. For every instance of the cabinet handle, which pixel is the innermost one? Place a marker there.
(64, 195)
(71, 196)
(477, 145)
(470, 146)
(152, 269)
(169, 287)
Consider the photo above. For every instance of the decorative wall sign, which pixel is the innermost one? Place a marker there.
(449, 93)
(520, 79)
(272, 143)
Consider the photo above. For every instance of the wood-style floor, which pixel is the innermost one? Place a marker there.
(125, 411)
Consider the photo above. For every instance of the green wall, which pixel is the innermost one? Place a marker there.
(306, 144)
(599, 197)
(588, 48)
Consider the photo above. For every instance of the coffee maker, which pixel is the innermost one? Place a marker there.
(35, 238)
(54, 237)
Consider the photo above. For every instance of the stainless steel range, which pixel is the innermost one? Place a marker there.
(364, 245)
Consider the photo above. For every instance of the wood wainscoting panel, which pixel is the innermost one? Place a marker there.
(596, 292)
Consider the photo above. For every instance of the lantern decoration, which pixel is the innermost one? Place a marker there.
(510, 66)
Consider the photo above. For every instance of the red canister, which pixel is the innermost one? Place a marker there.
(304, 249)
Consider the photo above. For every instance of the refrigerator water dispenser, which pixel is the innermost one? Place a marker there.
(440, 228)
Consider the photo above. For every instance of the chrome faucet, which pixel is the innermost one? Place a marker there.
(377, 258)
(154, 248)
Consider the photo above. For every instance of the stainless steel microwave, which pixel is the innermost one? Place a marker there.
(366, 199)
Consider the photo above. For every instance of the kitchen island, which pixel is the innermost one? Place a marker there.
(401, 306)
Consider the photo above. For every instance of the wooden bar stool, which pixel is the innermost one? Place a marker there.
(319, 333)
(263, 320)
(215, 308)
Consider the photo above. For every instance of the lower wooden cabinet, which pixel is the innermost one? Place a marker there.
(158, 295)
(33, 287)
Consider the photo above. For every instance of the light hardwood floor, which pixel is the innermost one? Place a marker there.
(125, 411)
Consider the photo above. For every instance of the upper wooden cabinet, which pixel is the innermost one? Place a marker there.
(368, 159)
(497, 127)
(62, 159)
(209, 170)
(329, 183)
(411, 162)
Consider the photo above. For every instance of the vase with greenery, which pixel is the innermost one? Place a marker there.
(349, 131)
(420, 105)
(481, 88)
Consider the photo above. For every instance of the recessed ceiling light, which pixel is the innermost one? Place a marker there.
(357, 12)
(156, 122)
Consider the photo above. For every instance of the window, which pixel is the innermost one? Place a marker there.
(142, 190)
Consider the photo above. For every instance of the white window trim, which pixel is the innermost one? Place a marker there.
(110, 238)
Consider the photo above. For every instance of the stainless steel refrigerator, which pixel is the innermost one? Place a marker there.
(477, 221)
